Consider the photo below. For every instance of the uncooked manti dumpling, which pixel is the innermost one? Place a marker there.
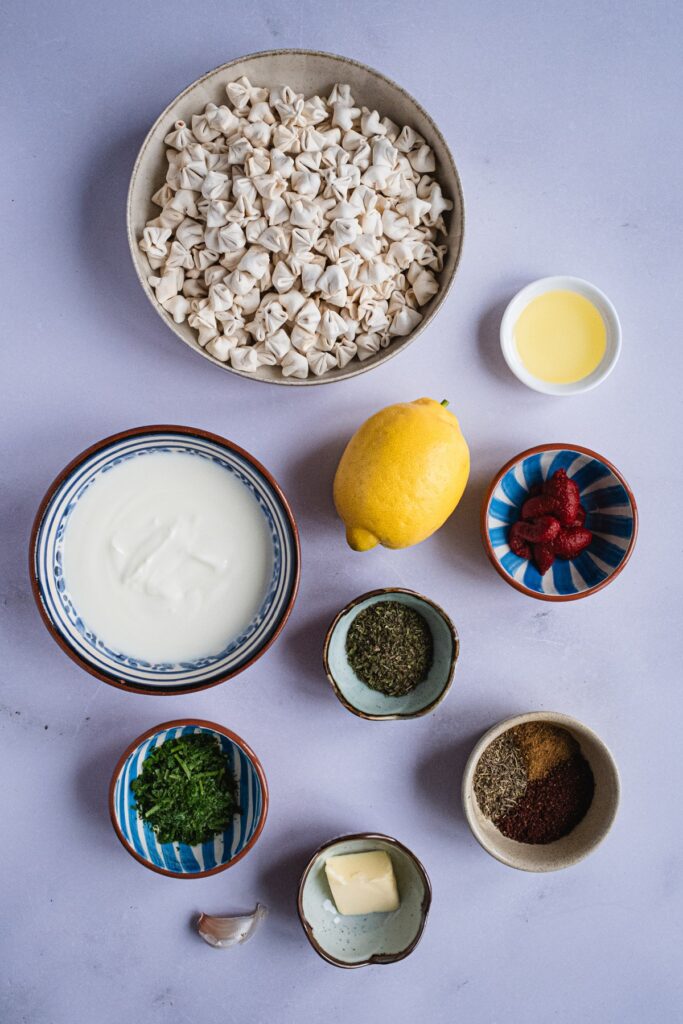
(297, 232)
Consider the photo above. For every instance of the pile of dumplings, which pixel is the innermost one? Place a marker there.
(299, 233)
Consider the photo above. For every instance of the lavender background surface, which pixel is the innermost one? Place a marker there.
(564, 120)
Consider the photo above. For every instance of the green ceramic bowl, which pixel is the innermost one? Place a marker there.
(359, 698)
(360, 940)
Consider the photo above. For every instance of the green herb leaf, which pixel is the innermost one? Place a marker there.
(192, 805)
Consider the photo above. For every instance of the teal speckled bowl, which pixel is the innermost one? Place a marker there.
(359, 698)
(358, 940)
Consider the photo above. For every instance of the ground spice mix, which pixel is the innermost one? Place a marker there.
(543, 747)
(534, 783)
(552, 806)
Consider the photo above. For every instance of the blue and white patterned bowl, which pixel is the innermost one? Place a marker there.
(177, 859)
(119, 668)
(611, 515)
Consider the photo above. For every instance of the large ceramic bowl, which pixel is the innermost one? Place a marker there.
(123, 669)
(611, 515)
(584, 838)
(178, 859)
(360, 940)
(310, 72)
(362, 700)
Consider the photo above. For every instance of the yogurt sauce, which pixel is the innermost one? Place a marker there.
(167, 557)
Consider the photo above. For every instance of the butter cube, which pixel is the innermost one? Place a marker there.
(362, 883)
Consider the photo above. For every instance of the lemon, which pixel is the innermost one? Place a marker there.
(401, 475)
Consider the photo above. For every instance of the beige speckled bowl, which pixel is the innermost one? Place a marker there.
(582, 840)
(310, 72)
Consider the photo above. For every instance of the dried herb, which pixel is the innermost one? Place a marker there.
(186, 790)
(390, 647)
(500, 778)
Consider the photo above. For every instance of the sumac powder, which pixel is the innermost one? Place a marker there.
(553, 805)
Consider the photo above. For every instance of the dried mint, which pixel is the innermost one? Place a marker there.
(501, 778)
(390, 647)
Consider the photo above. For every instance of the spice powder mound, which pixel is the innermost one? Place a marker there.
(553, 806)
(543, 747)
(500, 778)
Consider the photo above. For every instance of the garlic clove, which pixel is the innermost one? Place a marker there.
(225, 932)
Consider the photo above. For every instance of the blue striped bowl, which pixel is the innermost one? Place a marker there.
(177, 859)
(611, 515)
(122, 668)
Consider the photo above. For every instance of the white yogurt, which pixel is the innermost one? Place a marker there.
(167, 557)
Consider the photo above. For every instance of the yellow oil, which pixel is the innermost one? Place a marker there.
(560, 337)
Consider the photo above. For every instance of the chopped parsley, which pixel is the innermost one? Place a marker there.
(186, 790)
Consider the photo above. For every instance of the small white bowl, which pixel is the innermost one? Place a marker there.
(583, 839)
(569, 284)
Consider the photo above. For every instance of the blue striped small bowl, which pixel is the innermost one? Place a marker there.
(177, 859)
(123, 668)
(611, 515)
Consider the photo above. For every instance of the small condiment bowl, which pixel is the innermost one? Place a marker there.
(64, 620)
(570, 284)
(177, 859)
(583, 839)
(612, 516)
(362, 700)
(360, 940)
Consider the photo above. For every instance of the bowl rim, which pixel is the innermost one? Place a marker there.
(376, 958)
(398, 715)
(362, 367)
(223, 731)
(467, 786)
(119, 682)
(488, 547)
(580, 286)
